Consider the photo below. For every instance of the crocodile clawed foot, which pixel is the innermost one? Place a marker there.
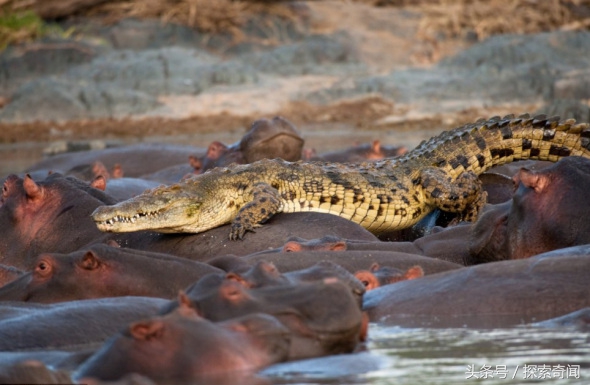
(238, 231)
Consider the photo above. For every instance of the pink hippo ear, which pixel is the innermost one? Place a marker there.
(270, 268)
(195, 163)
(414, 272)
(215, 150)
(147, 330)
(32, 189)
(292, 247)
(374, 266)
(186, 306)
(531, 179)
(99, 183)
(90, 261)
(118, 171)
(237, 278)
(368, 279)
(338, 246)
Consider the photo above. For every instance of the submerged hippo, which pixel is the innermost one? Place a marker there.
(266, 139)
(183, 346)
(498, 294)
(323, 316)
(104, 271)
(74, 325)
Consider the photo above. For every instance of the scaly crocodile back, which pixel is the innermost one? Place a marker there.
(481, 145)
(391, 194)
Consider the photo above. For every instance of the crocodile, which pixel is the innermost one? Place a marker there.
(391, 194)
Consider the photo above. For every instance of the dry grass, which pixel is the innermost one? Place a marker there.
(218, 16)
(484, 18)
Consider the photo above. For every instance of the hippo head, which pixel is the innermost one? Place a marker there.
(547, 212)
(183, 346)
(52, 215)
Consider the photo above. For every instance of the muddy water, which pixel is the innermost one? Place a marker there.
(519, 355)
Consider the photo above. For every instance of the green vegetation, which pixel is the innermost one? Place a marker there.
(18, 27)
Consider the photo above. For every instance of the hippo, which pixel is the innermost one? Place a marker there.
(266, 139)
(135, 159)
(123, 188)
(351, 260)
(9, 274)
(323, 316)
(40, 216)
(378, 276)
(73, 325)
(56, 359)
(33, 372)
(498, 294)
(215, 242)
(366, 152)
(449, 244)
(578, 320)
(544, 214)
(183, 346)
(100, 271)
(171, 174)
(263, 274)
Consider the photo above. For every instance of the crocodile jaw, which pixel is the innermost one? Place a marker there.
(162, 215)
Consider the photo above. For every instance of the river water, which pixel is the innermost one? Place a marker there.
(400, 356)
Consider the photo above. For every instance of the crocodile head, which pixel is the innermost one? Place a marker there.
(180, 208)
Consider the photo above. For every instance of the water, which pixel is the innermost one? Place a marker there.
(400, 356)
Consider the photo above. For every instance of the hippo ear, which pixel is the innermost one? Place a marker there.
(215, 150)
(99, 183)
(195, 163)
(147, 330)
(112, 243)
(32, 189)
(376, 146)
(531, 179)
(292, 247)
(414, 272)
(118, 171)
(338, 246)
(90, 261)
(233, 291)
(270, 268)
(237, 278)
(374, 266)
(368, 279)
(98, 168)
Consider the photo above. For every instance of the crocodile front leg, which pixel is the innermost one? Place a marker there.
(464, 195)
(264, 204)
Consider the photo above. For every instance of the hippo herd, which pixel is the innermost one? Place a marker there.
(80, 305)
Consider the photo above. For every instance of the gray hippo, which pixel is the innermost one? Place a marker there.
(497, 294)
